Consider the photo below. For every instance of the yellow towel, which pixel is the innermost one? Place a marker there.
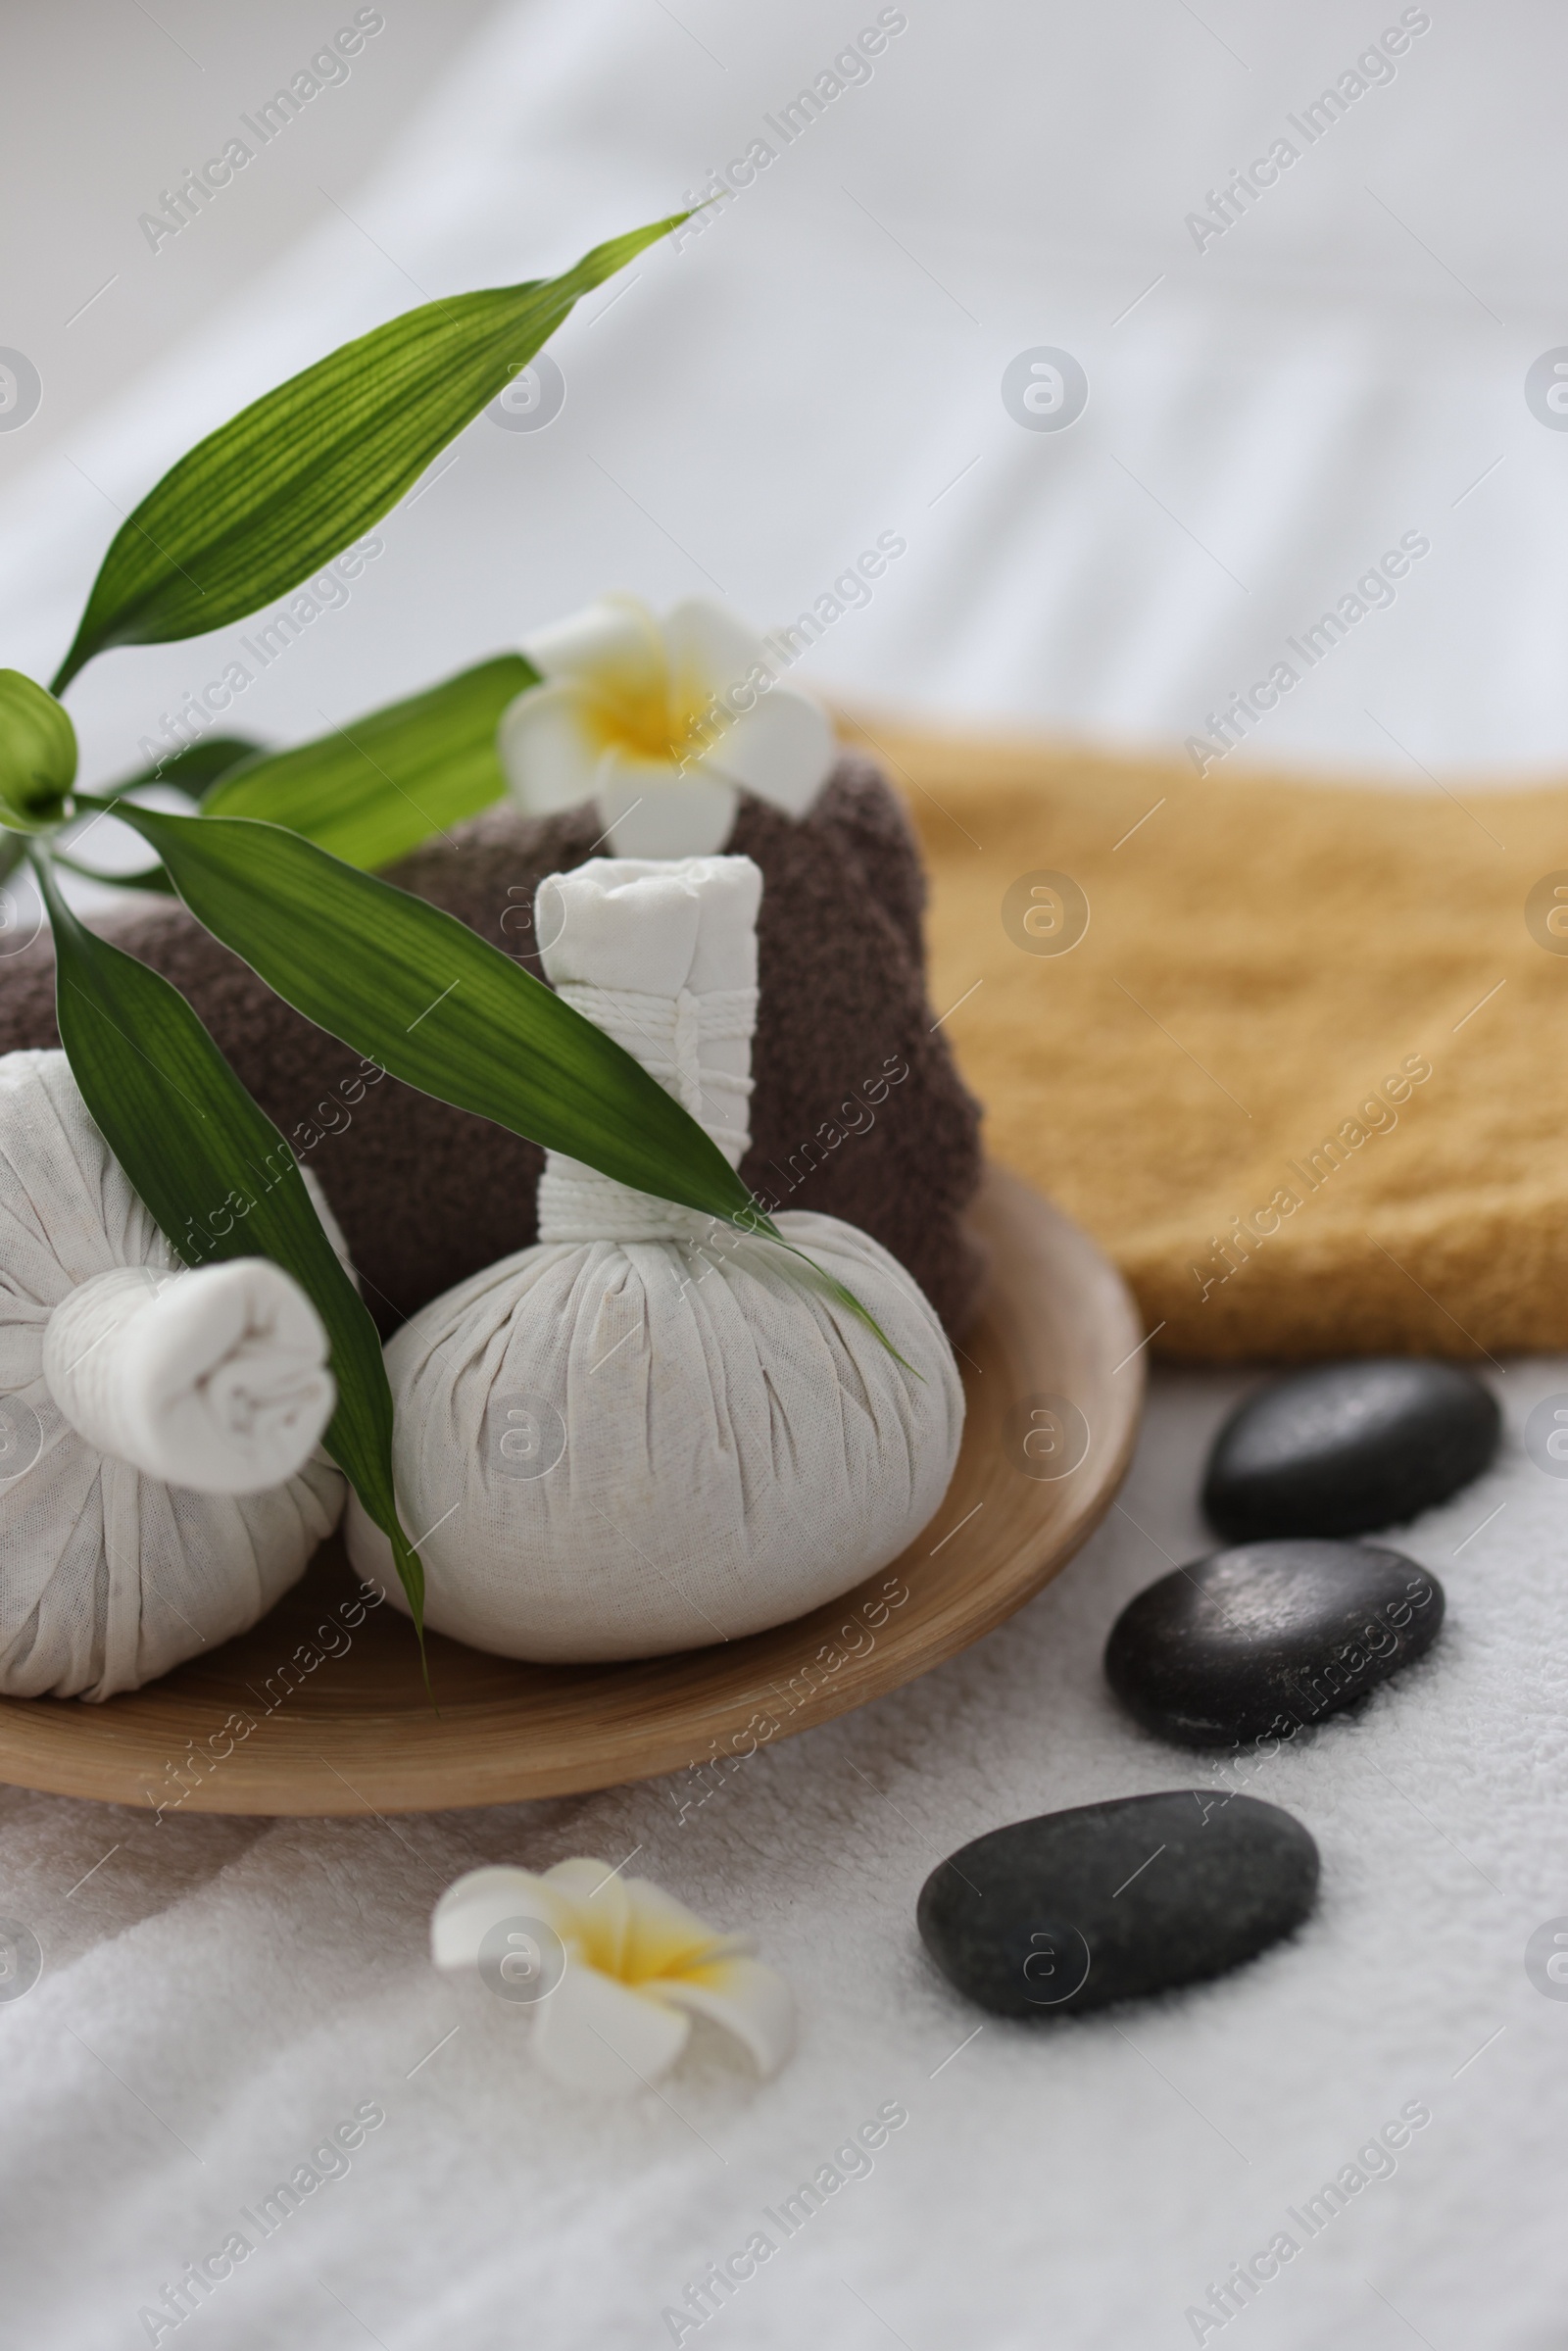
(1303, 1073)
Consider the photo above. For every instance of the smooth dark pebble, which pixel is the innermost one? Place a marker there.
(1268, 1638)
(1113, 1902)
(1348, 1448)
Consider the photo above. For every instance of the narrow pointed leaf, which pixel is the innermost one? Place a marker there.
(280, 489)
(372, 791)
(218, 1178)
(414, 989)
(196, 767)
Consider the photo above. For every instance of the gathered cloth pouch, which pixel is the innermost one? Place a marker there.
(649, 1431)
(161, 1483)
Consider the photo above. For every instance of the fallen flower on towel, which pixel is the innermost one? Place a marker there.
(617, 1967)
(664, 721)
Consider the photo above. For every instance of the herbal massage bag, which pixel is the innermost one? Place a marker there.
(160, 1483)
(648, 1432)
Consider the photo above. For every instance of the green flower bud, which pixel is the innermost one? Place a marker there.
(37, 755)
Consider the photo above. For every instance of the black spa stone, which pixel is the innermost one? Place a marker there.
(1268, 1638)
(1348, 1448)
(1113, 1902)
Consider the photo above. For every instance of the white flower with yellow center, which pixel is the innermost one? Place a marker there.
(616, 1967)
(662, 722)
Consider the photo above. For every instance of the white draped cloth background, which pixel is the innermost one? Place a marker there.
(1344, 363)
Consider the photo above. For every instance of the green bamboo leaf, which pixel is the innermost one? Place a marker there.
(199, 1151)
(196, 767)
(372, 791)
(283, 487)
(37, 754)
(414, 989)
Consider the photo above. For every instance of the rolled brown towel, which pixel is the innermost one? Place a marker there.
(858, 1112)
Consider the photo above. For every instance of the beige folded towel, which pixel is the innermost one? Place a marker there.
(1267, 971)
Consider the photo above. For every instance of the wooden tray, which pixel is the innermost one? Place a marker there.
(1059, 1340)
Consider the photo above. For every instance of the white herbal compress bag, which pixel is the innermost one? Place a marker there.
(157, 1425)
(649, 1433)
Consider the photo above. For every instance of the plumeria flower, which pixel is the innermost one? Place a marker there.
(662, 721)
(616, 1967)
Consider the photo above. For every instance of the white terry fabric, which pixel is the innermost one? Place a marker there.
(214, 1378)
(107, 1576)
(648, 1432)
(1075, 2184)
(1265, 417)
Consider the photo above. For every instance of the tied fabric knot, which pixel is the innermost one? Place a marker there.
(672, 1037)
(215, 1380)
(669, 1035)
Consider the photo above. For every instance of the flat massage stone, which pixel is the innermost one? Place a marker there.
(1268, 1638)
(1048, 1917)
(1348, 1448)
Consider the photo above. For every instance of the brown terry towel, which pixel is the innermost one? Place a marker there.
(1304, 1074)
(427, 1194)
